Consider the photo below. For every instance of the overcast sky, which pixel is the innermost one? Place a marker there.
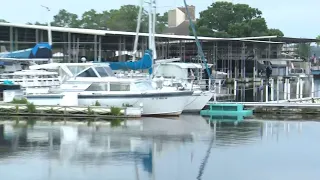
(295, 18)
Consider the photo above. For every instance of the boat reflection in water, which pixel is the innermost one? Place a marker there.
(189, 147)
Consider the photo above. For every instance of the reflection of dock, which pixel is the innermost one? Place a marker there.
(274, 128)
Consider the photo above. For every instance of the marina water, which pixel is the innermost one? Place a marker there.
(188, 147)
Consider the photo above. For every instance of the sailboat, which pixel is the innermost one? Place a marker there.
(199, 98)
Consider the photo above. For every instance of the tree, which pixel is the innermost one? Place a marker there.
(37, 23)
(66, 19)
(162, 22)
(303, 50)
(2, 20)
(122, 19)
(318, 42)
(275, 32)
(91, 20)
(125, 19)
(225, 19)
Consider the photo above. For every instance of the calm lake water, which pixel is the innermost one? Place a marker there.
(188, 147)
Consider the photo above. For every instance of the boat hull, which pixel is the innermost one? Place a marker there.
(198, 101)
(159, 103)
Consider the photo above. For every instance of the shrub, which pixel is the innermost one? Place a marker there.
(97, 103)
(19, 101)
(90, 111)
(31, 108)
(115, 111)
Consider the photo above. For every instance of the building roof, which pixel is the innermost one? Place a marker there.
(265, 39)
(105, 32)
(288, 40)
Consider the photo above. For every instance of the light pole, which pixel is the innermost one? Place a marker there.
(49, 26)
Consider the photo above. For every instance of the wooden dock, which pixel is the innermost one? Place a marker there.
(69, 111)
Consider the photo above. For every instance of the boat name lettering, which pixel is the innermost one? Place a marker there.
(159, 98)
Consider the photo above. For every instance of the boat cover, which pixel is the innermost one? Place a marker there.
(40, 50)
(142, 64)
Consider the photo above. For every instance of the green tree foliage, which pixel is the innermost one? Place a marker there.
(122, 19)
(2, 20)
(224, 19)
(303, 50)
(318, 38)
(66, 19)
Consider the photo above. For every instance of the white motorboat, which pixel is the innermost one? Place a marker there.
(97, 83)
(179, 76)
(35, 81)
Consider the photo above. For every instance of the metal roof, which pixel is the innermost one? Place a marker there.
(124, 33)
(262, 39)
(104, 32)
(287, 40)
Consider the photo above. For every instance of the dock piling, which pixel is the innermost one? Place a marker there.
(301, 88)
(312, 87)
(267, 92)
(272, 89)
(289, 89)
(235, 88)
(278, 89)
(297, 88)
(285, 90)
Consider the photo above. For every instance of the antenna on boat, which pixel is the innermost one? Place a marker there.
(135, 46)
(49, 27)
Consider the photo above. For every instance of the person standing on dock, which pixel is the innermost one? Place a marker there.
(268, 73)
(206, 77)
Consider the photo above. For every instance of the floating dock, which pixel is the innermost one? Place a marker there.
(231, 111)
(69, 111)
(293, 106)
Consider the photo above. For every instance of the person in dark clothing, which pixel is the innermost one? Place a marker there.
(206, 77)
(268, 72)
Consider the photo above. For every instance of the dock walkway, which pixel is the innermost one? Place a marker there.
(298, 106)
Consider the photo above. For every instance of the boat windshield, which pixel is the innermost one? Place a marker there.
(104, 71)
(144, 85)
(76, 69)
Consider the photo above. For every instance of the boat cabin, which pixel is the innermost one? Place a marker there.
(184, 71)
(141, 85)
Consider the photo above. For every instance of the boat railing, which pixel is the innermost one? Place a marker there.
(36, 82)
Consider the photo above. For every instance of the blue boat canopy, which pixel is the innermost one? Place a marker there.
(142, 64)
(40, 50)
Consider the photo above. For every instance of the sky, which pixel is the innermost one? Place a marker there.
(295, 18)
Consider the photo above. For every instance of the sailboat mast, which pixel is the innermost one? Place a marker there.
(154, 20)
(150, 24)
(135, 47)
